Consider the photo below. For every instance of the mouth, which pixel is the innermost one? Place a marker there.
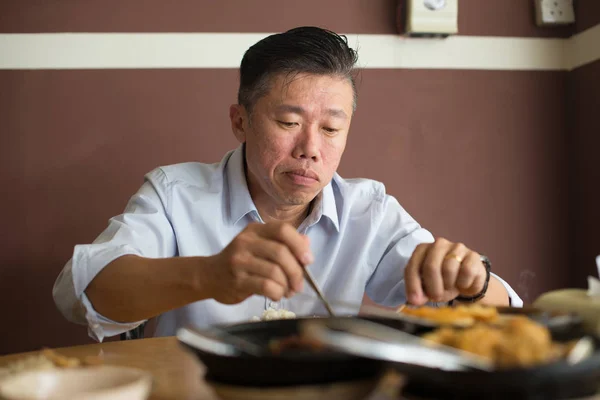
(303, 177)
(304, 173)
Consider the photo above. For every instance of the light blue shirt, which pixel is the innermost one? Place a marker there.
(361, 239)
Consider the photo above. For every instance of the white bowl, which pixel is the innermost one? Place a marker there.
(91, 383)
(354, 390)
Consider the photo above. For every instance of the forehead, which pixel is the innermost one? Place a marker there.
(309, 89)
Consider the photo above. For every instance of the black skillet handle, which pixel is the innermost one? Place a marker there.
(206, 342)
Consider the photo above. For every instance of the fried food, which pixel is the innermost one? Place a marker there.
(515, 342)
(463, 315)
(479, 339)
(60, 360)
(525, 343)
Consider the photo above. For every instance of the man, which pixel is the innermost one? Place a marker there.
(205, 244)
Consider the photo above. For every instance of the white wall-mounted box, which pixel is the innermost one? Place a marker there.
(554, 12)
(431, 18)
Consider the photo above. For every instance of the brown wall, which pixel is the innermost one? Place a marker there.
(587, 14)
(476, 17)
(584, 140)
(476, 156)
(584, 156)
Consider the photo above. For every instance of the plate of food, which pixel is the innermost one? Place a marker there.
(527, 357)
(49, 375)
(468, 349)
(523, 354)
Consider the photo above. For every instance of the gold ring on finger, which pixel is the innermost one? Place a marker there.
(453, 256)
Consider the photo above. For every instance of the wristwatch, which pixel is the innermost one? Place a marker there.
(488, 267)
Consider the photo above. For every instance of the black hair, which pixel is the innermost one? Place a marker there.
(305, 49)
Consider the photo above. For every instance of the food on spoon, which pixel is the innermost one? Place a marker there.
(464, 315)
(515, 342)
(272, 314)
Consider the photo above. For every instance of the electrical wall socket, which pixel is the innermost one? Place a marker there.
(554, 12)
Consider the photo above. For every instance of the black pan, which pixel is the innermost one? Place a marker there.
(287, 369)
(558, 380)
(291, 367)
(555, 381)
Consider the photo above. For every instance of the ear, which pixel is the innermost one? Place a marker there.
(239, 118)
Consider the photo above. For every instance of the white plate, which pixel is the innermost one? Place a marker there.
(89, 383)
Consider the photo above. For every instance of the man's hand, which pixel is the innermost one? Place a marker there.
(264, 259)
(441, 271)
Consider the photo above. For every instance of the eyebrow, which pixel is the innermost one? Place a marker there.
(334, 112)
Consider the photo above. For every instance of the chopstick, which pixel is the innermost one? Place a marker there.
(375, 311)
(315, 287)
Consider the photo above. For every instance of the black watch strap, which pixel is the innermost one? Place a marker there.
(488, 267)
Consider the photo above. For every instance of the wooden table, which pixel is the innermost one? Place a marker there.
(177, 373)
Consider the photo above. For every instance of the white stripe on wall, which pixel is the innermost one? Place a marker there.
(584, 48)
(225, 50)
(461, 52)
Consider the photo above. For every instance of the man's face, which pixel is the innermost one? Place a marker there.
(295, 137)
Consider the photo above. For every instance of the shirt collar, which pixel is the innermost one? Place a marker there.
(241, 202)
(325, 205)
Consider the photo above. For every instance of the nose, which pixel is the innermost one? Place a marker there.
(308, 144)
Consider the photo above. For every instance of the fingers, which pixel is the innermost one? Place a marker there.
(431, 269)
(442, 270)
(273, 251)
(412, 276)
(253, 275)
(292, 253)
(451, 265)
(278, 255)
(262, 286)
(267, 270)
(297, 243)
(471, 277)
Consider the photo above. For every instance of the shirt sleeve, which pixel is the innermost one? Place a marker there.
(143, 229)
(402, 234)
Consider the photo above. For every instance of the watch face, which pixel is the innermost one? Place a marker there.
(486, 261)
(435, 4)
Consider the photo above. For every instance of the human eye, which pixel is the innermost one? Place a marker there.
(330, 130)
(287, 124)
